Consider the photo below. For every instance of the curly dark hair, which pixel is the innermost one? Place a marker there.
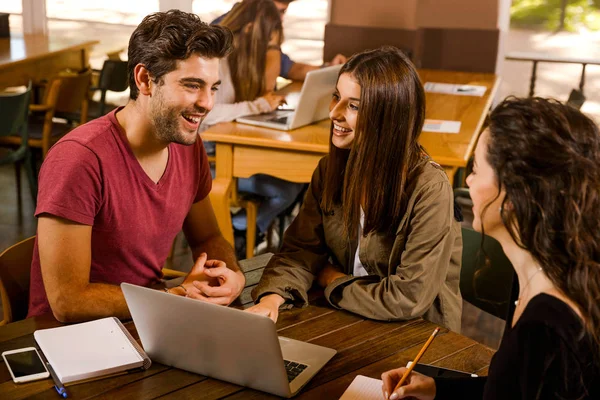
(546, 156)
(162, 38)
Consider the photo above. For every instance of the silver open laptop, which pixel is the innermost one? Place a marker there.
(221, 342)
(312, 104)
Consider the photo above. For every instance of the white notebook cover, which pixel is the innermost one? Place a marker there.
(90, 349)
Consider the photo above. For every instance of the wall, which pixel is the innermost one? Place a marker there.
(443, 34)
(382, 14)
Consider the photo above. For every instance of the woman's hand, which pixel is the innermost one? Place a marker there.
(328, 274)
(416, 386)
(268, 306)
(274, 100)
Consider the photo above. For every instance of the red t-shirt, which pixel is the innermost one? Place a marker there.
(92, 177)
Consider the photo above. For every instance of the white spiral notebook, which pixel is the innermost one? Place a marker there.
(90, 350)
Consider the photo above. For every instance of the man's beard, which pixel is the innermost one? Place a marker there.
(166, 123)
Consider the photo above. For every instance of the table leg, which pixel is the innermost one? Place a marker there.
(220, 195)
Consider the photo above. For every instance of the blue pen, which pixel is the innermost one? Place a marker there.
(58, 386)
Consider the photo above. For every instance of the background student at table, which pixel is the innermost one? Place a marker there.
(535, 187)
(290, 69)
(377, 227)
(247, 76)
(114, 192)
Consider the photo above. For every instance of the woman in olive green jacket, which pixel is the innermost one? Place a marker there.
(377, 228)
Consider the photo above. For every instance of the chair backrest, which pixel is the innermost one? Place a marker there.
(487, 276)
(73, 91)
(462, 198)
(576, 99)
(486, 285)
(14, 108)
(113, 76)
(15, 269)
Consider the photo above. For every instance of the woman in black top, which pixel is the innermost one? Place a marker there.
(535, 187)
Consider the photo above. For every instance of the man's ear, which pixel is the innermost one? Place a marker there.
(143, 80)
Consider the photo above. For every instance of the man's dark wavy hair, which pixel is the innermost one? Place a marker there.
(163, 38)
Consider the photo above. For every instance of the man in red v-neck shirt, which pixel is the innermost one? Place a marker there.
(114, 192)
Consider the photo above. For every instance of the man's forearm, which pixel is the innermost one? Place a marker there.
(217, 248)
(95, 300)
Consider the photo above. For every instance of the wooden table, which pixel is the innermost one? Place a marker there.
(37, 57)
(244, 150)
(364, 347)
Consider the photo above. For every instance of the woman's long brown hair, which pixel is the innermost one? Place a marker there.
(546, 157)
(379, 169)
(252, 22)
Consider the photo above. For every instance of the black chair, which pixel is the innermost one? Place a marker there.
(14, 111)
(114, 78)
(487, 278)
(576, 99)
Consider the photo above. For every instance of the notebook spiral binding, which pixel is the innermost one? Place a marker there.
(136, 346)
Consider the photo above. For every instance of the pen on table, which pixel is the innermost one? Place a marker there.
(60, 389)
(465, 89)
(416, 360)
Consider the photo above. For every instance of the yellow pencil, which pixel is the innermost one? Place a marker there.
(417, 358)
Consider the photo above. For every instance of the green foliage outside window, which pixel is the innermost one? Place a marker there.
(546, 14)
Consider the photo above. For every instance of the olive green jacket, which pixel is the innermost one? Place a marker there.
(413, 273)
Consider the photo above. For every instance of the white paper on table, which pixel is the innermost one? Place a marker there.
(450, 88)
(441, 126)
(363, 388)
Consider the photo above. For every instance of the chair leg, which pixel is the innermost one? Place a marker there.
(18, 180)
(251, 215)
(31, 170)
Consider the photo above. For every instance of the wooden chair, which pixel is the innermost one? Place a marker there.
(15, 267)
(250, 204)
(14, 110)
(64, 95)
(15, 271)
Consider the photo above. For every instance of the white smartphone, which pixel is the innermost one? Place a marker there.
(25, 365)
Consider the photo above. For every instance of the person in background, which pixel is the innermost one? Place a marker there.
(116, 191)
(377, 228)
(289, 69)
(248, 75)
(534, 188)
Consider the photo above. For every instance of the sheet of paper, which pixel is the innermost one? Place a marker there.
(363, 388)
(441, 126)
(450, 88)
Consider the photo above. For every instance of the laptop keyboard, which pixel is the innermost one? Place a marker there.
(279, 120)
(293, 369)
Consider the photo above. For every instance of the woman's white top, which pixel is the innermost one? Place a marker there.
(359, 270)
(225, 108)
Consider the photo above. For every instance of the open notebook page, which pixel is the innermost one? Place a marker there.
(363, 388)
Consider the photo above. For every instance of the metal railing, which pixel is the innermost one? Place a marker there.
(536, 58)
